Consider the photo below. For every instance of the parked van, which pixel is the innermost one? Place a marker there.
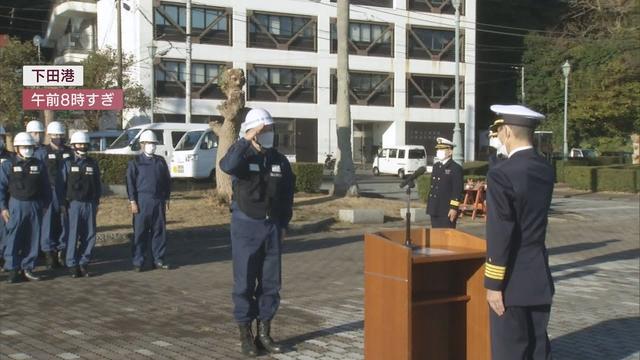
(100, 140)
(168, 134)
(195, 155)
(399, 160)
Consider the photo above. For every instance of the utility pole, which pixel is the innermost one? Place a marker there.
(187, 116)
(457, 131)
(522, 84)
(119, 51)
(345, 179)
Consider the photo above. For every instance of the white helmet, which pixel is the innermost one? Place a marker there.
(2, 130)
(23, 139)
(254, 118)
(35, 126)
(56, 128)
(148, 136)
(79, 137)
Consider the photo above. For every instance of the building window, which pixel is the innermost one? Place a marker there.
(170, 79)
(366, 88)
(431, 44)
(432, 92)
(381, 3)
(208, 25)
(282, 84)
(434, 6)
(283, 32)
(366, 39)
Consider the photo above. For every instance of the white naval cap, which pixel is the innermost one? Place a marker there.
(515, 115)
(442, 143)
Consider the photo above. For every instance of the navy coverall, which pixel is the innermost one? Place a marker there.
(4, 156)
(54, 223)
(24, 185)
(149, 185)
(82, 193)
(263, 186)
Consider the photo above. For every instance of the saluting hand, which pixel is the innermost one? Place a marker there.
(251, 134)
(494, 298)
(134, 207)
(5, 216)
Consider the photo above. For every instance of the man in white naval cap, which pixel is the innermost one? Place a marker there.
(517, 276)
(262, 206)
(446, 187)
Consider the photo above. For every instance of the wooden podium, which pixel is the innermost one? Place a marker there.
(428, 302)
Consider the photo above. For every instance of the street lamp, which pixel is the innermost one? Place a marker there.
(152, 54)
(457, 132)
(566, 69)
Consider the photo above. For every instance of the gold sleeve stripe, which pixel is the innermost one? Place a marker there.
(493, 276)
(487, 271)
(455, 203)
(495, 267)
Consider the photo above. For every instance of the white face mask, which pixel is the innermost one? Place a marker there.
(441, 155)
(26, 152)
(266, 139)
(502, 150)
(149, 149)
(495, 143)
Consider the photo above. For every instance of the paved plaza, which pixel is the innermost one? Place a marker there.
(185, 313)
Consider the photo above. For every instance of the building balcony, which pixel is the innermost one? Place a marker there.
(73, 48)
(63, 10)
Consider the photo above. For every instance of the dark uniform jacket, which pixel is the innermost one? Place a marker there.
(6, 155)
(518, 198)
(54, 160)
(446, 188)
(24, 180)
(148, 176)
(263, 183)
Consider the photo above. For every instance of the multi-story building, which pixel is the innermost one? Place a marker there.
(401, 65)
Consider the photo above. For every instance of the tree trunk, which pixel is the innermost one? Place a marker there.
(636, 149)
(345, 179)
(233, 111)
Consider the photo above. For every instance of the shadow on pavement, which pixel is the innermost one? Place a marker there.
(290, 343)
(620, 255)
(566, 249)
(615, 339)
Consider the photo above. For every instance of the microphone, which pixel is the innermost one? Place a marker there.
(421, 170)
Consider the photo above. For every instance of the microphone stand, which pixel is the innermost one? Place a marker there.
(407, 239)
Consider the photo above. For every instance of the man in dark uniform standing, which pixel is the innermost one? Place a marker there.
(54, 223)
(5, 155)
(263, 186)
(446, 187)
(149, 190)
(517, 276)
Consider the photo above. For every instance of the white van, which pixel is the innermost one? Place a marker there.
(399, 160)
(168, 134)
(195, 155)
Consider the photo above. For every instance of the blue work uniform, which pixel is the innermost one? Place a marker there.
(149, 185)
(83, 189)
(54, 223)
(262, 206)
(445, 193)
(518, 199)
(5, 155)
(24, 191)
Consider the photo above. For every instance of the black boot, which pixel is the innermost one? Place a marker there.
(264, 337)
(50, 260)
(84, 271)
(74, 271)
(14, 276)
(30, 276)
(246, 340)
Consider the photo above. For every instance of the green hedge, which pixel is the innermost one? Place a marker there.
(113, 168)
(475, 178)
(560, 165)
(475, 168)
(424, 185)
(308, 176)
(581, 177)
(612, 179)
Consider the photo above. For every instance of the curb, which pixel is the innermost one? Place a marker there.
(298, 228)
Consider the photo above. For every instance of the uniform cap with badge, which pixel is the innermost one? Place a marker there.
(515, 115)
